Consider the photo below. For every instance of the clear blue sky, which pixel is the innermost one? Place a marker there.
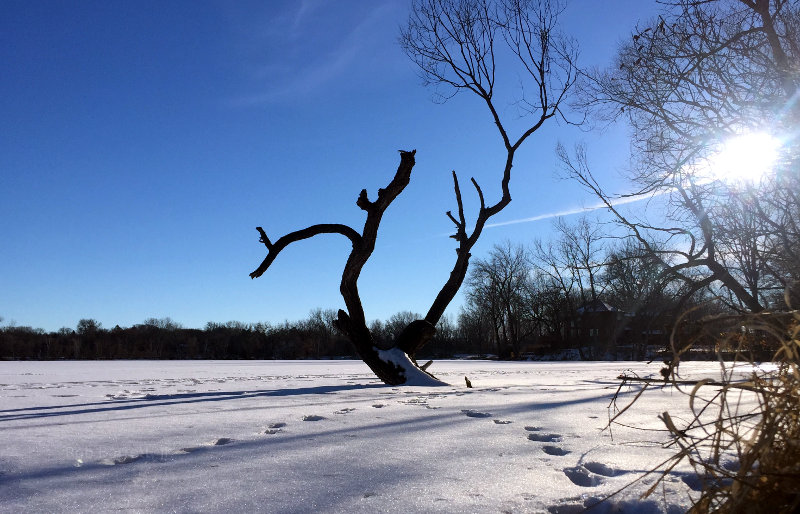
(141, 143)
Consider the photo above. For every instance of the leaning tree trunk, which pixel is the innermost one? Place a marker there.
(396, 365)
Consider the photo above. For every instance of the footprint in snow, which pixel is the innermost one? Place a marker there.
(379, 405)
(125, 459)
(128, 459)
(274, 428)
(569, 508)
(345, 410)
(591, 474)
(555, 451)
(601, 469)
(313, 417)
(501, 422)
(222, 441)
(581, 476)
(533, 429)
(544, 438)
(475, 414)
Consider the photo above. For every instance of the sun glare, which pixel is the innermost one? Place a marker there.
(745, 158)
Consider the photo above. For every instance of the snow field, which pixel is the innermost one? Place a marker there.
(326, 436)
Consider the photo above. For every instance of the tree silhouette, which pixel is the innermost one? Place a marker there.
(453, 42)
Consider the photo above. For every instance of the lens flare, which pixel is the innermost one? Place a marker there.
(745, 158)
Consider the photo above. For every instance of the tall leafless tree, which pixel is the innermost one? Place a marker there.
(573, 260)
(454, 43)
(501, 287)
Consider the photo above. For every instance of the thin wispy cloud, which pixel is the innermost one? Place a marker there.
(305, 8)
(305, 71)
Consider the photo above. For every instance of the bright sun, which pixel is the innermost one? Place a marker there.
(744, 158)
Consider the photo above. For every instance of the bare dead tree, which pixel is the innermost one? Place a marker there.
(688, 80)
(454, 44)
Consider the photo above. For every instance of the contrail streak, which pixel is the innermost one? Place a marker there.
(576, 210)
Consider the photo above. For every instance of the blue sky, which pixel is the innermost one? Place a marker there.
(141, 143)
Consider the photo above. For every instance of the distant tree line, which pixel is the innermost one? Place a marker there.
(312, 338)
(582, 294)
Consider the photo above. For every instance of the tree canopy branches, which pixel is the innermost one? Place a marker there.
(687, 82)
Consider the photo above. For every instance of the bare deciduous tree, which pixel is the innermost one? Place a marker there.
(574, 260)
(687, 81)
(500, 286)
(569, 267)
(454, 43)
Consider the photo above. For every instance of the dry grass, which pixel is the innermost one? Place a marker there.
(742, 437)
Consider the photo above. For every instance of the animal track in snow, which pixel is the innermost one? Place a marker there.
(555, 451)
(274, 428)
(345, 410)
(544, 438)
(601, 469)
(533, 429)
(125, 459)
(475, 414)
(581, 476)
(162, 457)
(313, 417)
(591, 474)
(379, 405)
(501, 421)
(131, 395)
(128, 459)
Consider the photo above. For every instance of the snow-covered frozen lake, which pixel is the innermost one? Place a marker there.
(326, 436)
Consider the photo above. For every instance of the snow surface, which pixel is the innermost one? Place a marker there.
(326, 436)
